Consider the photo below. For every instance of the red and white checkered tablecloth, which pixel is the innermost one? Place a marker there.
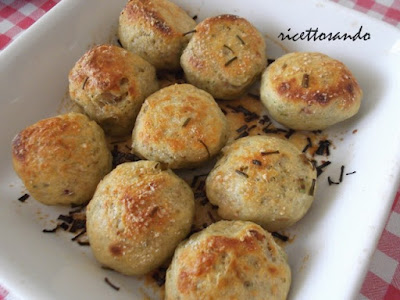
(17, 15)
(382, 281)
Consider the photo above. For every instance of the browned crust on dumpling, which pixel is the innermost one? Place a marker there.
(309, 91)
(61, 159)
(263, 179)
(110, 84)
(229, 260)
(225, 56)
(327, 79)
(181, 126)
(147, 10)
(155, 31)
(137, 217)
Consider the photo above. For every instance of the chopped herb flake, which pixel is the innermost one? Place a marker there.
(64, 226)
(242, 173)
(78, 235)
(341, 173)
(84, 83)
(320, 167)
(280, 236)
(267, 127)
(241, 40)
(83, 243)
(67, 219)
(23, 198)
(240, 129)
(269, 152)
(229, 48)
(354, 172)
(331, 182)
(256, 162)
(50, 230)
(309, 144)
(111, 284)
(186, 122)
(305, 81)
(205, 146)
(189, 32)
(251, 127)
(243, 134)
(230, 61)
(323, 148)
(77, 224)
(264, 119)
(274, 130)
(312, 188)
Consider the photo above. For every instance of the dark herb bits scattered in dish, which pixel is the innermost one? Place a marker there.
(23, 198)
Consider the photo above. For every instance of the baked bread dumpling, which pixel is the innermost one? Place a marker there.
(229, 260)
(225, 55)
(263, 179)
(61, 159)
(155, 30)
(137, 217)
(110, 84)
(180, 126)
(309, 91)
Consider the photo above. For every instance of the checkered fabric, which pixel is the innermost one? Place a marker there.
(382, 281)
(386, 10)
(17, 15)
(383, 278)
